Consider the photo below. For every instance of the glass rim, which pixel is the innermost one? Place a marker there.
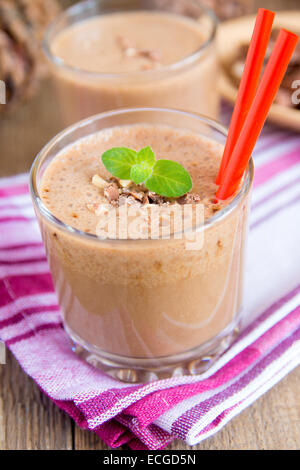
(45, 212)
(80, 7)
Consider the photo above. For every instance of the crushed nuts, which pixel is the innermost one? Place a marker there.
(111, 192)
(99, 182)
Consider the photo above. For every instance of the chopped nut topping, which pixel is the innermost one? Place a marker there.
(145, 199)
(156, 56)
(147, 66)
(155, 198)
(189, 199)
(125, 183)
(216, 207)
(139, 195)
(124, 43)
(129, 50)
(99, 182)
(119, 192)
(126, 199)
(111, 192)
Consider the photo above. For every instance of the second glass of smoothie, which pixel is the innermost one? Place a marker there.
(142, 308)
(112, 54)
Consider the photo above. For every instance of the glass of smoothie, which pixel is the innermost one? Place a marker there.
(110, 54)
(142, 305)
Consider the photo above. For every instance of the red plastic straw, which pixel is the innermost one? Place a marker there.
(248, 85)
(268, 87)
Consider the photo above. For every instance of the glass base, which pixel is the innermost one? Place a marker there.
(139, 370)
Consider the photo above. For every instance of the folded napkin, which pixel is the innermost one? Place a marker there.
(149, 416)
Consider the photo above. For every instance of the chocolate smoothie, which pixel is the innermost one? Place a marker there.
(135, 58)
(142, 299)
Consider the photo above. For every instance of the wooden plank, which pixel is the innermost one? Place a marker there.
(29, 419)
(85, 440)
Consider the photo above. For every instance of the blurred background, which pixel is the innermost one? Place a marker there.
(30, 117)
(248, 4)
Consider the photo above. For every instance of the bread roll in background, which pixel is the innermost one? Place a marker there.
(22, 64)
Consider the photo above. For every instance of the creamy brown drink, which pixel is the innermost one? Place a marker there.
(133, 58)
(143, 304)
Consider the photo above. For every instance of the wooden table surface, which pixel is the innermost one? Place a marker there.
(29, 420)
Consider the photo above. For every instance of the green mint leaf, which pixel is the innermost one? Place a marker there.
(169, 179)
(140, 172)
(164, 177)
(118, 161)
(145, 161)
(146, 155)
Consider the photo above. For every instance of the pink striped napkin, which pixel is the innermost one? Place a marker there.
(189, 408)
